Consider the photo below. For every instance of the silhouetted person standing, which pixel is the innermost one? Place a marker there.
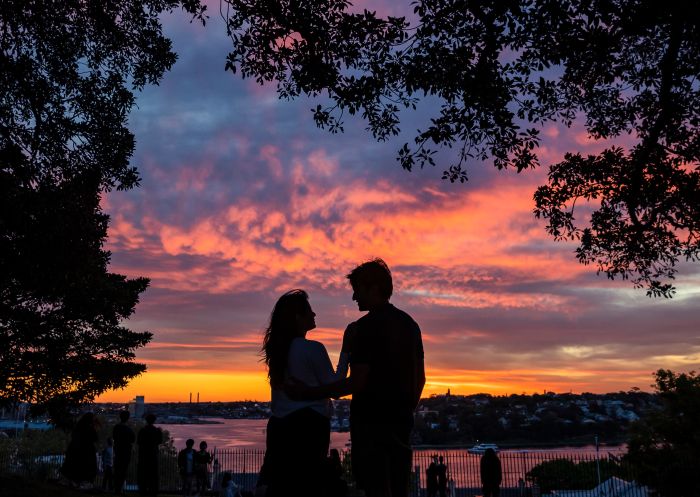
(186, 465)
(442, 477)
(298, 431)
(491, 474)
(148, 440)
(80, 463)
(202, 461)
(386, 381)
(431, 478)
(124, 439)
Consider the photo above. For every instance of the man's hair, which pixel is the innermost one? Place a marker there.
(124, 416)
(150, 418)
(373, 273)
(189, 442)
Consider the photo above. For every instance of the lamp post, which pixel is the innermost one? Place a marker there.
(597, 459)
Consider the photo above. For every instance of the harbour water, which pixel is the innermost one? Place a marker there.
(234, 434)
(250, 434)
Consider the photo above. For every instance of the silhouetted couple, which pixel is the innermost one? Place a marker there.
(436, 477)
(194, 467)
(149, 439)
(384, 350)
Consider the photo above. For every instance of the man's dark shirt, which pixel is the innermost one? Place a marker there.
(149, 438)
(441, 472)
(124, 438)
(389, 341)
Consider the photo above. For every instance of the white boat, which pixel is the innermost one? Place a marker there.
(481, 448)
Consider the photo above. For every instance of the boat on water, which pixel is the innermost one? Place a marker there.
(481, 448)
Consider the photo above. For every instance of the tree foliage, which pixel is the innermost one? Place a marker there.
(69, 70)
(565, 474)
(501, 70)
(665, 444)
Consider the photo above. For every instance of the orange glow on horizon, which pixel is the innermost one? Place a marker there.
(225, 386)
(176, 386)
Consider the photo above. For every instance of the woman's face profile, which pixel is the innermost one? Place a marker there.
(306, 319)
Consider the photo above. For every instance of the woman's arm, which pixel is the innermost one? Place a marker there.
(322, 366)
(334, 384)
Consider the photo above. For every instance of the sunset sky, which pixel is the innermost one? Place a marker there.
(243, 198)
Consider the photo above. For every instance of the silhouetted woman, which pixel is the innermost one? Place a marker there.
(80, 464)
(491, 473)
(298, 432)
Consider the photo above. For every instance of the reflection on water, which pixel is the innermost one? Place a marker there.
(234, 433)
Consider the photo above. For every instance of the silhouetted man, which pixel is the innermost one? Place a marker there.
(431, 478)
(124, 439)
(186, 465)
(386, 381)
(441, 471)
(148, 440)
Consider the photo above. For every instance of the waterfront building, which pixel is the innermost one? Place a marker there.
(137, 407)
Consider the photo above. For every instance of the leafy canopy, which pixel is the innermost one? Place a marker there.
(665, 445)
(501, 70)
(69, 70)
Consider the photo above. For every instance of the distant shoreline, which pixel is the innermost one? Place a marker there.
(526, 446)
(189, 422)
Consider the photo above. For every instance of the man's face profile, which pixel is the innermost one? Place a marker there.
(360, 294)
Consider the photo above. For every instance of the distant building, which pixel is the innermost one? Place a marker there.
(137, 407)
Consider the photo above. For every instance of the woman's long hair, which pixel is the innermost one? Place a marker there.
(280, 333)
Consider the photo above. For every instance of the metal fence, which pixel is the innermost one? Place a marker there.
(525, 473)
(535, 473)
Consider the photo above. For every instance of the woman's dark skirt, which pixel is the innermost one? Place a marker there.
(295, 458)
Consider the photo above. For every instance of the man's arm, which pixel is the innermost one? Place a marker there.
(356, 382)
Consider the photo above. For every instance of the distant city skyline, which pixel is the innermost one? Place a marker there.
(243, 198)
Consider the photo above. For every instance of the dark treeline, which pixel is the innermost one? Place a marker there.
(547, 418)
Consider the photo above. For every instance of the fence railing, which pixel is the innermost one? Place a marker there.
(525, 473)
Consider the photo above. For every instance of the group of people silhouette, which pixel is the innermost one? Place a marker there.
(380, 364)
(80, 463)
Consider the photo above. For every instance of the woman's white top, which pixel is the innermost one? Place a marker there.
(308, 362)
